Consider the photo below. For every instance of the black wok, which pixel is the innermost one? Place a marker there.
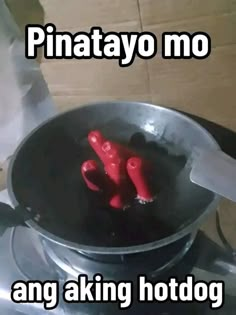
(49, 195)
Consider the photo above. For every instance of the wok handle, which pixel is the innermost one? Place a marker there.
(215, 171)
(10, 217)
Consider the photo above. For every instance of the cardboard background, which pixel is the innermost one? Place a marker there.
(205, 87)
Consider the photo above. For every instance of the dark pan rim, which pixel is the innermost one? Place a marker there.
(115, 250)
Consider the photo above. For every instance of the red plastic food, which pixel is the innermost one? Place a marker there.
(136, 171)
(92, 175)
(96, 140)
(117, 173)
(125, 173)
(111, 153)
(122, 151)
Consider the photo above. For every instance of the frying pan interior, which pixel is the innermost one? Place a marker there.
(45, 175)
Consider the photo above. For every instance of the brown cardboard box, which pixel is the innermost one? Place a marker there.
(205, 87)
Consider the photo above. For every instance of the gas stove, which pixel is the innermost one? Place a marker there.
(25, 256)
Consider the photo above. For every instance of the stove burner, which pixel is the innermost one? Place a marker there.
(41, 259)
(29, 256)
(34, 258)
(116, 267)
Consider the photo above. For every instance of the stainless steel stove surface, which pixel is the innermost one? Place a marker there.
(116, 267)
(23, 256)
(11, 270)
